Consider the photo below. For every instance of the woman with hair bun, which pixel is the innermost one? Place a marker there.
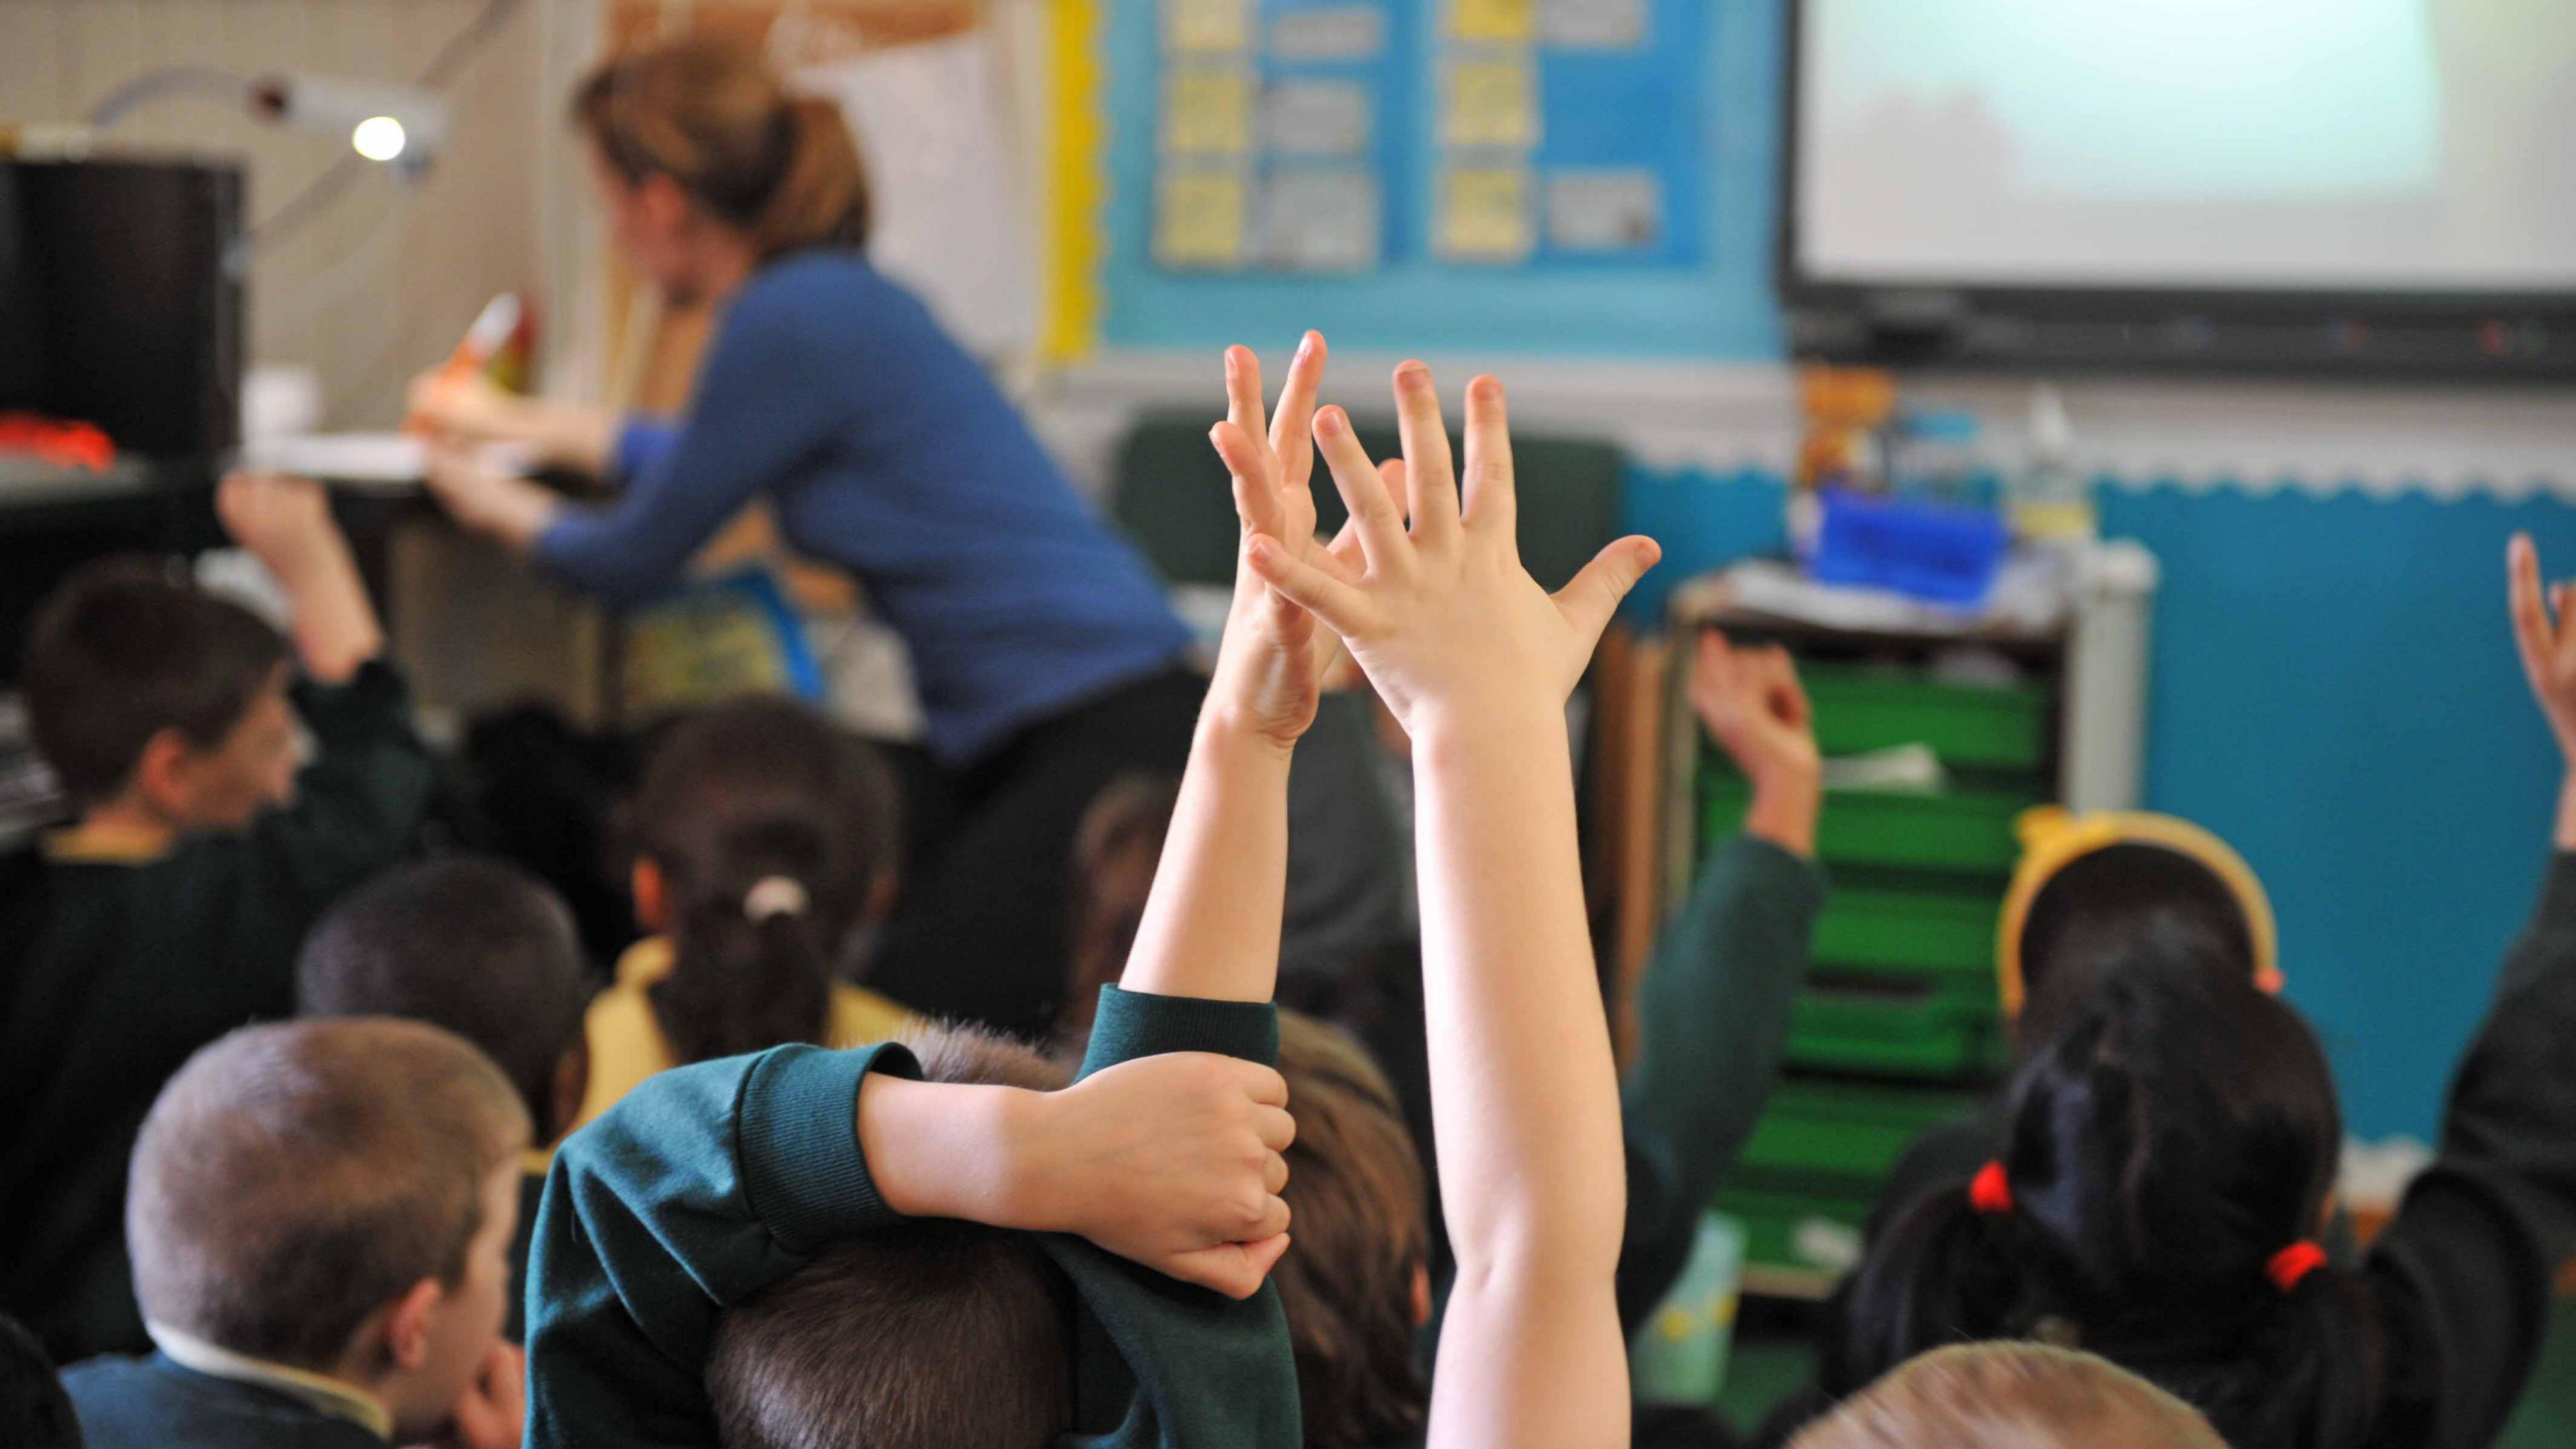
(1047, 656)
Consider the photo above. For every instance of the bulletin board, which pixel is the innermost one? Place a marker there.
(1581, 176)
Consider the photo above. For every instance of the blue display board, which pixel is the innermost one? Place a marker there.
(1571, 176)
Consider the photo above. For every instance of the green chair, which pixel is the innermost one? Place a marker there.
(1172, 498)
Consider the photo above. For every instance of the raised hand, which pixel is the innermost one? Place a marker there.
(1442, 616)
(1270, 667)
(2545, 636)
(1753, 706)
(283, 520)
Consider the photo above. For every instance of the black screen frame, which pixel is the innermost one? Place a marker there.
(2427, 334)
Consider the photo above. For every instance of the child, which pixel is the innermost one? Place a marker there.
(2011, 1396)
(710, 1183)
(320, 1212)
(486, 951)
(170, 912)
(764, 838)
(2093, 895)
(2171, 1152)
(1476, 662)
(33, 1410)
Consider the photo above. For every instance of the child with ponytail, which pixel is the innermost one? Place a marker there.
(2168, 1159)
(764, 839)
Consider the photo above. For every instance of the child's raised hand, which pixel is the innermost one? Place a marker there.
(1752, 704)
(283, 520)
(1442, 617)
(2546, 637)
(1270, 667)
(1174, 1162)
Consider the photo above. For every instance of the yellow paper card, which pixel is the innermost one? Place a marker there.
(1492, 20)
(1199, 219)
(1207, 25)
(1207, 111)
(1485, 214)
(1490, 103)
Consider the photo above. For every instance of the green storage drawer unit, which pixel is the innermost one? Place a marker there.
(1828, 1129)
(1968, 726)
(1928, 931)
(1925, 1028)
(1965, 831)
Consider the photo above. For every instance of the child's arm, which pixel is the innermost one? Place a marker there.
(360, 801)
(2482, 1232)
(1476, 661)
(709, 1182)
(1211, 923)
(1714, 1007)
(285, 522)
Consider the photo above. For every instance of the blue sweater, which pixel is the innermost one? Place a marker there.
(885, 449)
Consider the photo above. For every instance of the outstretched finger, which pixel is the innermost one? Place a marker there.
(1430, 476)
(1292, 437)
(1256, 502)
(1342, 607)
(1588, 602)
(1381, 527)
(1243, 399)
(2532, 636)
(1491, 501)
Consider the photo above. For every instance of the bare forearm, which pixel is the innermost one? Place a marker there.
(334, 623)
(1211, 923)
(2564, 834)
(945, 1150)
(1784, 811)
(1530, 1162)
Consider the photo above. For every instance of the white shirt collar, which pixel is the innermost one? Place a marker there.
(319, 1392)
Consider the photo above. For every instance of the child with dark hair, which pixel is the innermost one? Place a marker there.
(2169, 1159)
(34, 1411)
(170, 912)
(2094, 896)
(320, 1214)
(764, 839)
(486, 951)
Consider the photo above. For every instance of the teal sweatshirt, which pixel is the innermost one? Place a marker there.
(712, 1181)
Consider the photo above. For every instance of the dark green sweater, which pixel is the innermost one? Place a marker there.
(710, 1182)
(112, 974)
(1712, 1019)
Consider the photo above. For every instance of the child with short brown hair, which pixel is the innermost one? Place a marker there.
(320, 1216)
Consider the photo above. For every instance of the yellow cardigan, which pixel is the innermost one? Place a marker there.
(627, 1045)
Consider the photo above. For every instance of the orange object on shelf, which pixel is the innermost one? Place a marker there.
(1842, 408)
(63, 442)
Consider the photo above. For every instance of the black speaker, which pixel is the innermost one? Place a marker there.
(121, 300)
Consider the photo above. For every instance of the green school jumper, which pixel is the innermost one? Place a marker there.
(112, 972)
(712, 1181)
(1712, 1020)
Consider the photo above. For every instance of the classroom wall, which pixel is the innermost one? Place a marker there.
(385, 279)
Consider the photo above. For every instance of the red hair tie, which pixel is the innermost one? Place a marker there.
(2293, 1263)
(1990, 1191)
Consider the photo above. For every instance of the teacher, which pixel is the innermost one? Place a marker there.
(1048, 659)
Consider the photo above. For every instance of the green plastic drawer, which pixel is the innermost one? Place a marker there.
(1897, 1024)
(1986, 727)
(1841, 1130)
(1912, 930)
(1965, 831)
(1779, 1227)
